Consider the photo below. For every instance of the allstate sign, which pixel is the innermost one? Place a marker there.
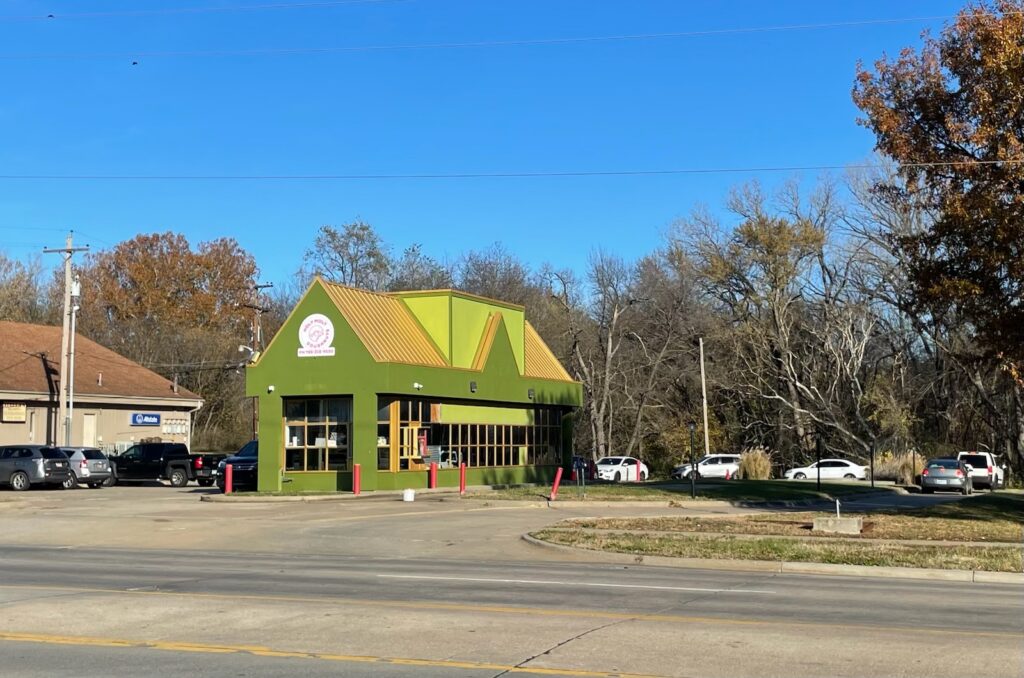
(142, 419)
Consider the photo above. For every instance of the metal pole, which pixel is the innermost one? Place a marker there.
(693, 467)
(704, 396)
(872, 464)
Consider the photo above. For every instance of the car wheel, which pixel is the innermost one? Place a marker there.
(618, 476)
(643, 476)
(205, 482)
(800, 476)
(71, 482)
(178, 478)
(110, 482)
(850, 476)
(20, 481)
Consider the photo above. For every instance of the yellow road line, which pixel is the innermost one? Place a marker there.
(259, 651)
(509, 609)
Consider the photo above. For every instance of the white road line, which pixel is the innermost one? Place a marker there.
(543, 582)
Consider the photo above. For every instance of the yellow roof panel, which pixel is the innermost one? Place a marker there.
(385, 326)
(541, 363)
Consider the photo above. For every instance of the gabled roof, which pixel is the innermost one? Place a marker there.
(30, 363)
(385, 325)
(391, 332)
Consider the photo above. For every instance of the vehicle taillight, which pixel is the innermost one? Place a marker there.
(959, 473)
(924, 472)
(83, 464)
(990, 469)
(198, 463)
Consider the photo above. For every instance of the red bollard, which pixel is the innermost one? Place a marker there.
(229, 476)
(433, 475)
(638, 479)
(572, 475)
(357, 485)
(558, 481)
(462, 479)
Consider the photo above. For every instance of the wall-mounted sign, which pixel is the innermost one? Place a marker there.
(143, 419)
(315, 336)
(14, 413)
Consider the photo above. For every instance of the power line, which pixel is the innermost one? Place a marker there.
(50, 16)
(496, 175)
(285, 51)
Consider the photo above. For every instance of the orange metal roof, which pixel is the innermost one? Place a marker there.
(385, 326)
(541, 363)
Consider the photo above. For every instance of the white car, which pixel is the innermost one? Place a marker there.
(831, 469)
(711, 466)
(621, 469)
(984, 470)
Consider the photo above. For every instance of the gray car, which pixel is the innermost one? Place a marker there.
(22, 466)
(89, 466)
(947, 474)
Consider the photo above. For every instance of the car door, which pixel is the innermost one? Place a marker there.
(832, 469)
(7, 463)
(128, 463)
(713, 468)
(152, 461)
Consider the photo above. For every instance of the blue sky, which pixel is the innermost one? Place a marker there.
(773, 98)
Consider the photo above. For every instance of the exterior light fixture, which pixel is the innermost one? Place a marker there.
(472, 387)
(417, 385)
(270, 389)
(531, 394)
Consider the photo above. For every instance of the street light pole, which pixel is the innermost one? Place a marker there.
(817, 467)
(693, 464)
(704, 398)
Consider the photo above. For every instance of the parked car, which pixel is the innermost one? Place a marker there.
(947, 474)
(22, 466)
(244, 467)
(831, 469)
(88, 465)
(204, 468)
(711, 466)
(153, 461)
(620, 468)
(984, 470)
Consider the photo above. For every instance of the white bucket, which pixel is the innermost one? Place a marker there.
(409, 494)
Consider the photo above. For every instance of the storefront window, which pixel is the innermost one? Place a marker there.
(413, 439)
(317, 434)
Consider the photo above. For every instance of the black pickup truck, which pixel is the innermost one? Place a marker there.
(154, 461)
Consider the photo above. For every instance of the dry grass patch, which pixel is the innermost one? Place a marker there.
(852, 552)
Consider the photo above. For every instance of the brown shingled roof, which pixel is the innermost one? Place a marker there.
(23, 367)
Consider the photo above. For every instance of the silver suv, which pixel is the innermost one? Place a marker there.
(89, 466)
(22, 466)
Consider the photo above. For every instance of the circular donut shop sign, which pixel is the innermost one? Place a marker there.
(315, 336)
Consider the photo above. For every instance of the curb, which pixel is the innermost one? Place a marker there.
(787, 567)
(339, 496)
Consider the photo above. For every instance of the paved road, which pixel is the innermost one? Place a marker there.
(421, 616)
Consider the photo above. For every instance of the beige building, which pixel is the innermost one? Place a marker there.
(116, 401)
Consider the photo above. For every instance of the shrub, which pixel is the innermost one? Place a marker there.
(902, 468)
(755, 464)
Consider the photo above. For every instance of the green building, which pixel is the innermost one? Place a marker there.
(394, 382)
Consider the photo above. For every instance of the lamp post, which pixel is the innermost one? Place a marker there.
(819, 444)
(693, 464)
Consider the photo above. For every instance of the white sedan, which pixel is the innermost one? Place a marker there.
(621, 469)
(831, 469)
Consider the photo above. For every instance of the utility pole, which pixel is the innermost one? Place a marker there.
(256, 339)
(68, 251)
(704, 396)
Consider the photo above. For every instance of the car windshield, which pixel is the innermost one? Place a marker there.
(92, 454)
(609, 461)
(975, 460)
(943, 463)
(51, 453)
(248, 452)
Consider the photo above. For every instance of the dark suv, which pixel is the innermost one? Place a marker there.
(22, 466)
(153, 461)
